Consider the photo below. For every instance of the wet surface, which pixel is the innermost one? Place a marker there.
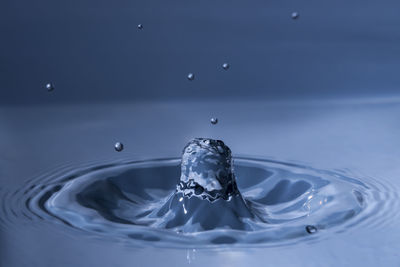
(138, 200)
(351, 159)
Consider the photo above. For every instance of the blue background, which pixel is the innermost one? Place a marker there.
(93, 52)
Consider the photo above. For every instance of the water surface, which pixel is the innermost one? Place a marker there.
(356, 139)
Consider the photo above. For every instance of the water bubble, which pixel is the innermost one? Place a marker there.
(140, 26)
(225, 66)
(118, 146)
(295, 15)
(214, 121)
(311, 229)
(49, 87)
(190, 76)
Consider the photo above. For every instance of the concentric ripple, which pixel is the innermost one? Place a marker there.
(132, 201)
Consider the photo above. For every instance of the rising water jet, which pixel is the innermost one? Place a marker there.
(207, 196)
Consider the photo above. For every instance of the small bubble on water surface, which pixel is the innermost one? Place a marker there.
(140, 26)
(295, 15)
(49, 87)
(214, 121)
(311, 229)
(225, 66)
(190, 76)
(118, 147)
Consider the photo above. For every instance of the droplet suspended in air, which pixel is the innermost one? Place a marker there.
(295, 15)
(118, 146)
(140, 26)
(49, 87)
(311, 229)
(214, 121)
(190, 76)
(225, 66)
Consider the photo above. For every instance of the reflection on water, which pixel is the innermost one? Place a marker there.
(136, 201)
(354, 154)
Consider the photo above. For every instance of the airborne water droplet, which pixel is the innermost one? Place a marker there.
(295, 15)
(311, 229)
(225, 66)
(140, 26)
(214, 121)
(118, 147)
(49, 87)
(190, 76)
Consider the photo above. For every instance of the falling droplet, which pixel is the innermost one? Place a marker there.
(295, 15)
(190, 76)
(311, 229)
(214, 121)
(49, 87)
(140, 26)
(118, 146)
(225, 66)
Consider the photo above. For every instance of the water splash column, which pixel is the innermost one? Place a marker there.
(207, 170)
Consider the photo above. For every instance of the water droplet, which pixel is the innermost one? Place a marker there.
(49, 87)
(118, 146)
(184, 209)
(140, 26)
(311, 229)
(214, 121)
(295, 15)
(225, 66)
(190, 76)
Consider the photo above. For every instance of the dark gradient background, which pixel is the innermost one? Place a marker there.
(93, 52)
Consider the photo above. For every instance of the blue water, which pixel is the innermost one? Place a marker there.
(98, 98)
(274, 204)
(351, 144)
